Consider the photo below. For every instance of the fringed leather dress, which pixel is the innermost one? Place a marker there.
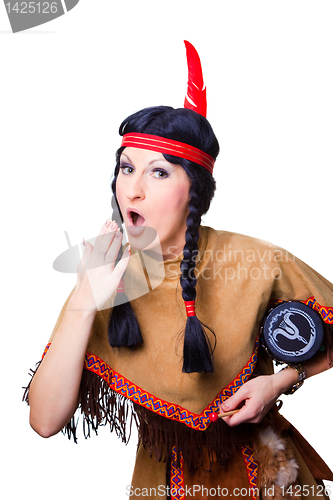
(181, 453)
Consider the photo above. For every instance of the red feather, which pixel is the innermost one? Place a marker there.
(196, 91)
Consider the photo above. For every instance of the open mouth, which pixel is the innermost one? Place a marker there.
(135, 218)
(135, 221)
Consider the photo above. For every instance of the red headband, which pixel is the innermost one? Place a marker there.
(170, 147)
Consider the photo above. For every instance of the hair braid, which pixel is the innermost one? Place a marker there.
(197, 348)
(188, 280)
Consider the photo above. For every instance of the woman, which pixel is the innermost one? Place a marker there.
(175, 356)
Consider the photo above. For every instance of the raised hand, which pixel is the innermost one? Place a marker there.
(98, 277)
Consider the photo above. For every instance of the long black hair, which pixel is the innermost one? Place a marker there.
(183, 125)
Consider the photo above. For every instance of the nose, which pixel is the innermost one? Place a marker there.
(135, 188)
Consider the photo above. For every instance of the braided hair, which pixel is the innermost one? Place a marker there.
(186, 126)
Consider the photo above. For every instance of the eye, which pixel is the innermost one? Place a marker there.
(159, 173)
(126, 169)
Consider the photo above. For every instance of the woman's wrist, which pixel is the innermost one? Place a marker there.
(76, 325)
(79, 303)
(285, 379)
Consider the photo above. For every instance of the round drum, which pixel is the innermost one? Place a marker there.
(292, 332)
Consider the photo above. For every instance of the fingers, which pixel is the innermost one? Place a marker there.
(232, 404)
(237, 418)
(88, 248)
(108, 224)
(252, 400)
(114, 247)
(106, 249)
(250, 413)
(106, 236)
(235, 400)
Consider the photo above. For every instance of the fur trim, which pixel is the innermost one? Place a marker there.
(277, 464)
(269, 438)
(288, 473)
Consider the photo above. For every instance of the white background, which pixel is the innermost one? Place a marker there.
(65, 88)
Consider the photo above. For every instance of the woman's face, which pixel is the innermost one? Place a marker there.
(153, 193)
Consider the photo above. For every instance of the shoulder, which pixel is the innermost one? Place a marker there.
(234, 248)
(228, 241)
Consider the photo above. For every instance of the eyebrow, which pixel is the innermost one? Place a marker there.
(150, 163)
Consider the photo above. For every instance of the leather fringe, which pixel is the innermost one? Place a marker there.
(158, 436)
(99, 405)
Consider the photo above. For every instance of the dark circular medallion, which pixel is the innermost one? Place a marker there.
(292, 332)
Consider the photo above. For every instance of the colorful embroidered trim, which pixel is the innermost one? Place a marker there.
(46, 349)
(190, 307)
(325, 312)
(177, 485)
(252, 471)
(177, 490)
(122, 386)
(170, 147)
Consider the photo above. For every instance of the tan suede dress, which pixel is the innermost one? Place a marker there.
(182, 454)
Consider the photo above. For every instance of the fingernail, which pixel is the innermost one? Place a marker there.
(84, 242)
(114, 225)
(108, 222)
(127, 251)
(118, 233)
(225, 406)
